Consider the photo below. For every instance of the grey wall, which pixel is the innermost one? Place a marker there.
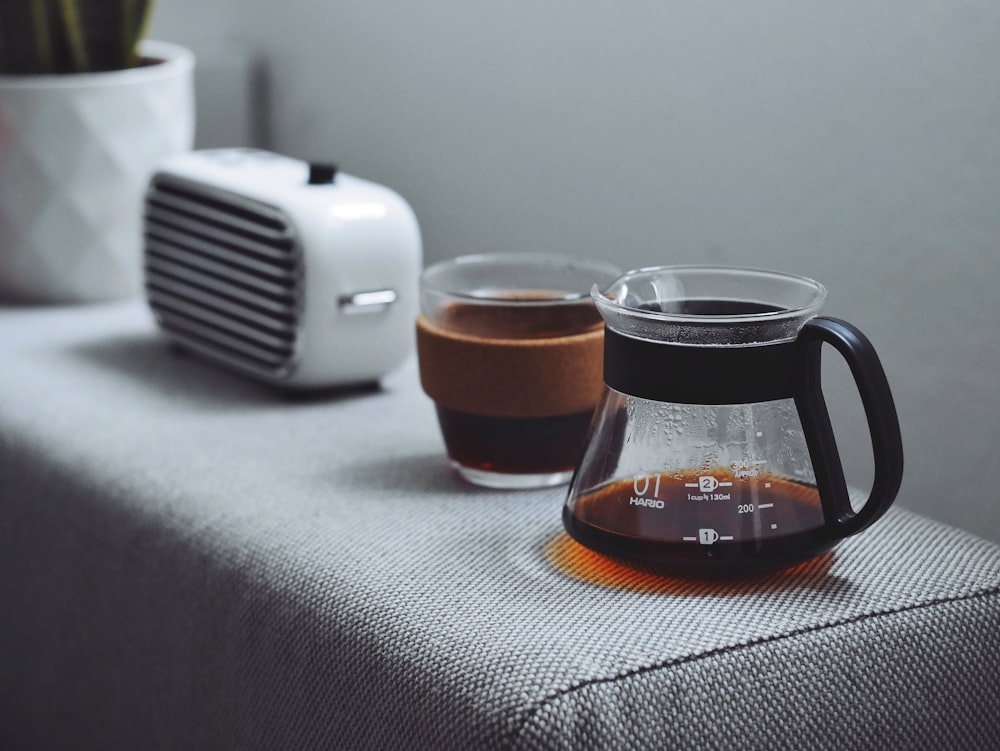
(855, 142)
(225, 72)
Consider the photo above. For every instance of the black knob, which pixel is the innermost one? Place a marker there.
(322, 173)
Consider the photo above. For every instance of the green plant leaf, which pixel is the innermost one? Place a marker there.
(43, 35)
(136, 18)
(73, 29)
(25, 37)
(66, 36)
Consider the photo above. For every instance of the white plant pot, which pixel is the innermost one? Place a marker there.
(76, 154)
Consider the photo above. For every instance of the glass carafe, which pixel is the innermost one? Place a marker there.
(712, 446)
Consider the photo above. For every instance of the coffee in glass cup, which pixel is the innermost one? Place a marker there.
(511, 352)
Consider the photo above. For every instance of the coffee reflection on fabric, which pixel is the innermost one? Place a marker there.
(577, 562)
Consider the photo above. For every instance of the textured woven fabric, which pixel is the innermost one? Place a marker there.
(189, 560)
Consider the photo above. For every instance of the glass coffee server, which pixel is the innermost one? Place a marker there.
(712, 447)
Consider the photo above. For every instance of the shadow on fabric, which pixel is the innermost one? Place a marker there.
(172, 372)
(578, 562)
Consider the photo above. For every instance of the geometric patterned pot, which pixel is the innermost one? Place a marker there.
(76, 154)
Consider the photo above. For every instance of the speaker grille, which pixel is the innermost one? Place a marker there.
(223, 274)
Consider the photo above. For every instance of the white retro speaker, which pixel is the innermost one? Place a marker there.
(289, 272)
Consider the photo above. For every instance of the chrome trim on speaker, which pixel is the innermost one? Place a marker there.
(372, 301)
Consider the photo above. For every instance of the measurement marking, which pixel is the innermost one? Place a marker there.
(766, 505)
(707, 484)
(759, 434)
(726, 537)
(690, 539)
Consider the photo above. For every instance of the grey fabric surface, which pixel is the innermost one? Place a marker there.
(188, 560)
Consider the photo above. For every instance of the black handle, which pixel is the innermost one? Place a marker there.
(887, 444)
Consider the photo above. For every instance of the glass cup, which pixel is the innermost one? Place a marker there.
(511, 352)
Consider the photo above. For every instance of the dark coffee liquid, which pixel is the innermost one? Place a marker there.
(533, 445)
(713, 307)
(689, 523)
